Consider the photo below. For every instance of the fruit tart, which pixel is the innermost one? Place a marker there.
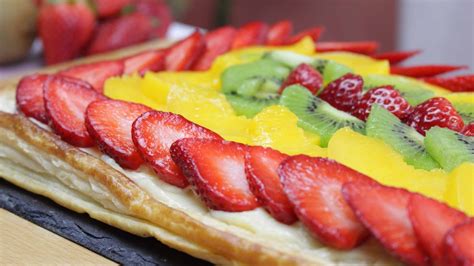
(254, 146)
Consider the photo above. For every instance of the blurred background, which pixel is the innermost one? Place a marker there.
(442, 29)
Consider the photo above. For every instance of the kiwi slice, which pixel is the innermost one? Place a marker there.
(449, 148)
(406, 140)
(316, 115)
(413, 92)
(251, 87)
(465, 110)
(330, 70)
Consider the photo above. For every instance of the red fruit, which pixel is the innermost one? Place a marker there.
(107, 8)
(313, 186)
(64, 30)
(109, 123)
(159, 13)
(305, 76)
(396, 57)
(29, 97)
(435, 112)
(216, 169)
(66, 101)
(146, 61)
(261, 165)
(313, 33)
(459, 245)
(469, 129)
(344, 92)
(431, 220)
(279, 33)
(365, 47)
(252, 33)
(121, 32)
(217, 42)
(154, 132)
(423, 70)
(182, 55)
(383, 210)
(385, 96)
(456, 84)
(96, 73)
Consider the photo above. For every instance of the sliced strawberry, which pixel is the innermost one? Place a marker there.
(218, 42)
(121, 32)
(423, 70)
(95, 73)
(365, 47)
(109, 123)
(305, 76)
(431, 221)
(436, 111)
(183, 54)
(66, 101)
(344, 92)
(107, 8)
(459, 245)
(385, 96)
(216, 169)
(313, 186)
(456, 84)
(279, 33)
(29, 97)
(154, 132)
(144, 61)
(252, 33)
(396, 57)
(469, 129)
(261, 165)
(383, 210)
(313, 33)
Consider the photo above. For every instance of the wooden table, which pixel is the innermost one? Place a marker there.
(22, 242)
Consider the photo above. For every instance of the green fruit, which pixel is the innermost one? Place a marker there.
(253, 86)
(330, 70)
(404, 139)
(316, 115)
(449, 148)
(466, 111)
(413, 92)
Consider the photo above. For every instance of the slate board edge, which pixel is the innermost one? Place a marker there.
(112, 243)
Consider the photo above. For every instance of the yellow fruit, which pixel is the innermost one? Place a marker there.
(460, 188)
(361, 64)
(128, 88)
(276, 127)
(378, 160)
(461, 97)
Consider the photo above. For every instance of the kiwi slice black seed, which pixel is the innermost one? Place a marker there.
(316, 115)
(404, 139)
(412, 91)
(465, 110)
(449, 148)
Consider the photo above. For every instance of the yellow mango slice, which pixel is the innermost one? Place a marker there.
(460, 188)
(461, 97)
(276, 127)
(378, 160)
(128, 88)
(361, 64)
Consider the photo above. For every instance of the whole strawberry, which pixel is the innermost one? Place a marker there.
(435, 112)
(385, 96)
(64, 30)
(157, 11)
(305, 76)
(344, 92)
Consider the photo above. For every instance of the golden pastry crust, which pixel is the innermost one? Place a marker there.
(122, 204)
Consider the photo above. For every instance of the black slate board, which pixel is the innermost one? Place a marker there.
(110, 242)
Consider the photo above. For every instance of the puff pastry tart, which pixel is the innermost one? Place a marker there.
(180, 156)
